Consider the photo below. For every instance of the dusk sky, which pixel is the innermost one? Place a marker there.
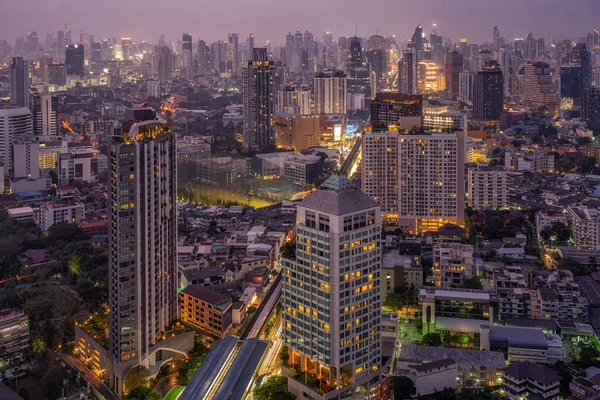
(272, 19)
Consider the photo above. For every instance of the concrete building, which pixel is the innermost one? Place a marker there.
(457, 310)
(453, 263)
(297, 132)
(143, 221)
(331, 302)
(19, 82)
(441, 118)
(432, 376)
(391, 111)
(528, 380)
(302, 170)
(522, 343)
(294, 99)
(544, 219)
(426, 169)
(330, 92)
(55, 212)
(79, 164)
(400, 271)
(584, 223)
(488, 93)
(260, 101)
(205, 310)
(532, 161)
(539, 89)
(466, 85)
(14, 336)
(487, 187)
(14, 122)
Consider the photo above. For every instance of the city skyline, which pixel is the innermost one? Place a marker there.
(266, 18)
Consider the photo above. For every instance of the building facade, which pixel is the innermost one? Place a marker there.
(330, 92)
(487, 187)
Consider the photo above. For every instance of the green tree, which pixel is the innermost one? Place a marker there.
(136, 377)
(65, 233)
(402, 387)
(142, 393)
(472, 283)
(274, 388)
(431, 339)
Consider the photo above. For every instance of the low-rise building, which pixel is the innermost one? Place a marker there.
(545, 218)
(522, 343)
(14, 335)
(453, 263)
(528, 380)
(205, 310)
(534, 161)
(55, 212)
(20, 213)
(475, 369)
(431, 377)
(302, 170)
(399, 271)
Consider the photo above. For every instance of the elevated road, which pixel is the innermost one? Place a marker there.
(347, 166)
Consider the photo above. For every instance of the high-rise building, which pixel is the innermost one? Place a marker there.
(44, 109)
(294, 99)
(24, 158)
(331, 301)
(126, 48)
(582, 57)
(233, 41)
(289, 50)
(259, 96)
(426, 169)
(56, 74)
(488, 93)
(68, 40)
(74, 59)
(202, 57)
(466, 85)
(330, 92)
(591, 108)
(96, 52)
(187, 56)
(407, 72)
(487, 187)
(357, 69)
(402, 111)
(16, 122)
(19, 82)
(297, 132)
(538, 88)
(452, 68)
(164, 63)
(417, 43)
(570, 82)
(142, 247)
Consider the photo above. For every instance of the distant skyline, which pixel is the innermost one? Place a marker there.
(272, 19)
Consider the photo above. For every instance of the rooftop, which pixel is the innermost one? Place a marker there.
(527, 369)
(202, 293)
(415, 352)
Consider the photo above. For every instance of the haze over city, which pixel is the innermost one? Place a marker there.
(272, 19)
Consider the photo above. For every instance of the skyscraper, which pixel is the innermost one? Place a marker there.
(19, 82)
(591, 108)
(330, 92)
(233, 41)
(68, 40)
(452, 69)
(289, 50)
(407, 72)
(466, 85)
(357, 70)
(48, 114)
(294, 99)
(96, 52)
(331, 300)
(142, 246)
(126, 48)
(164, 62)
(570, 83)
(188, 58)
(259, 96)
(416, 43)
(488, 93)
(538, 87)
(74, 59)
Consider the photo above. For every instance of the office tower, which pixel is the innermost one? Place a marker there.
(24, 158)
(528, 46)
(297, 132)
(488, 93)
(396, 111)
(407, 73)
(164, 62)
(427, 169)
(187, 56)
(289, 50)
(496, 38)
(453, 66)
(571, 83)
(142, 246)
(505, 61)
(32, 42)
(377, 61)
(328, 39)
(580, 56)
(259, 98)
(49, 42)
(297, 53)
(46, 121)
(416, 43)
(538, 88)
(294, 99)
(466, 85)
(19, 82)
(117, 52)
(250, 42)
(202, 57)
(14, 122)
(74, 59)
(60, 40)
(68, 40)
(591, 108)
(233, 41)
(330, 92)
(96, 52)
(308, 60)
(331, 300)
(357, 70)
(126, 48)
(56, 74)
